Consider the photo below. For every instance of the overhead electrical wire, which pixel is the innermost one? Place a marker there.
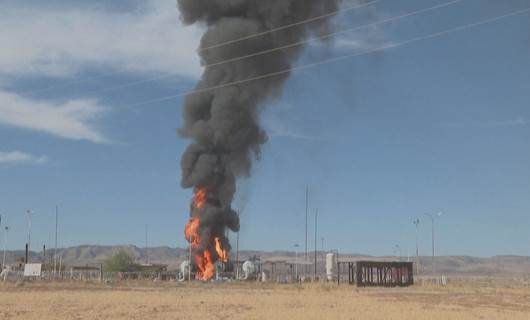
(288, 46)
(221, 44)
(259, 34)
(336, 59)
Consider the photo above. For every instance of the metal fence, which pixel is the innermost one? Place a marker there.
(278, 273)
(94, 276)
(521, 281)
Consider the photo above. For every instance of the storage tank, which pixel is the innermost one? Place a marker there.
(184, 267)
(184, 270)
(331, 263)
(249, 269)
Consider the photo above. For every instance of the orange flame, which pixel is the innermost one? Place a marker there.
(205, 265)
(223, 255)
(192, 232)
(199, 201)
(204, 261)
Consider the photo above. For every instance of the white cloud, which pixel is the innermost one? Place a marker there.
(52, 41)
(58, 39)
(71, 119)
(20, 157)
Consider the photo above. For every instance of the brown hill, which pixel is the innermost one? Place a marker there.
(448, 265)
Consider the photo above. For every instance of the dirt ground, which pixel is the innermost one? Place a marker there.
(255, 301)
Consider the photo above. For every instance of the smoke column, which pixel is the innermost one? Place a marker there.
(223, 124)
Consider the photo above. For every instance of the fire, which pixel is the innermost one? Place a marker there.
(205, 265)
(223, 255)
(199, 201)
(204, 259)
(192, 232)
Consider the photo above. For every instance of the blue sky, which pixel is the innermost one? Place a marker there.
(436, 125)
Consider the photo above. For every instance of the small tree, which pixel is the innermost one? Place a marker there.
(121, 262)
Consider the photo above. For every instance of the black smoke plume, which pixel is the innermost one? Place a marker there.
(223, 123)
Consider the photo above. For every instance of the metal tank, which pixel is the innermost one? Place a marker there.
(331, 265)
(249, 270)
(184, 270)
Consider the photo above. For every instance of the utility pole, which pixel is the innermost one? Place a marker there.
(29, 213)
(433, 218)
(316, 220)
(306, 207)
(4, 239)
(416, 223)
(237, 247)
(189, 265)
(296, 245)
(6, 229)
(397, 250)
(55, 249)
(146, 250)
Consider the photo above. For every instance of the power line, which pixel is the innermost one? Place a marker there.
(332, 60)
(288, 46)
(218, 45)
(259, 34)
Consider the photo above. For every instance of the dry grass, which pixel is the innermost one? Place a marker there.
(252, 301)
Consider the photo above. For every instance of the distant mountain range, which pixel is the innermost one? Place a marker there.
(448, 265)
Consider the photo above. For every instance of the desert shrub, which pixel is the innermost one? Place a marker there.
(122, 261)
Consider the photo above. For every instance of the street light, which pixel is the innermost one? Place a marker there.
(6, 229)
(433, 218)
(29, 213)
(296, 245)
(4, 237)
(397, 249)
(417, 223)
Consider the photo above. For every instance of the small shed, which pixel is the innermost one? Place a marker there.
(384, 274)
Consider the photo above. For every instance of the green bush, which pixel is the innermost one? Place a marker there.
(122, 261)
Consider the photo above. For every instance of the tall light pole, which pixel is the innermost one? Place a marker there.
(1, 223)
(3, 261)
(189, 265)
(55, 250)
(433, 218)
(6, 229)
(417, 223)
(146, 248)
(4, 237)
(296, 245)
(237, 246)
(397, 250)
(29, 213)
(316, 221)
(306, 208)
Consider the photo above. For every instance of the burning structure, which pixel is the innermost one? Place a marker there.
(221, 117)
